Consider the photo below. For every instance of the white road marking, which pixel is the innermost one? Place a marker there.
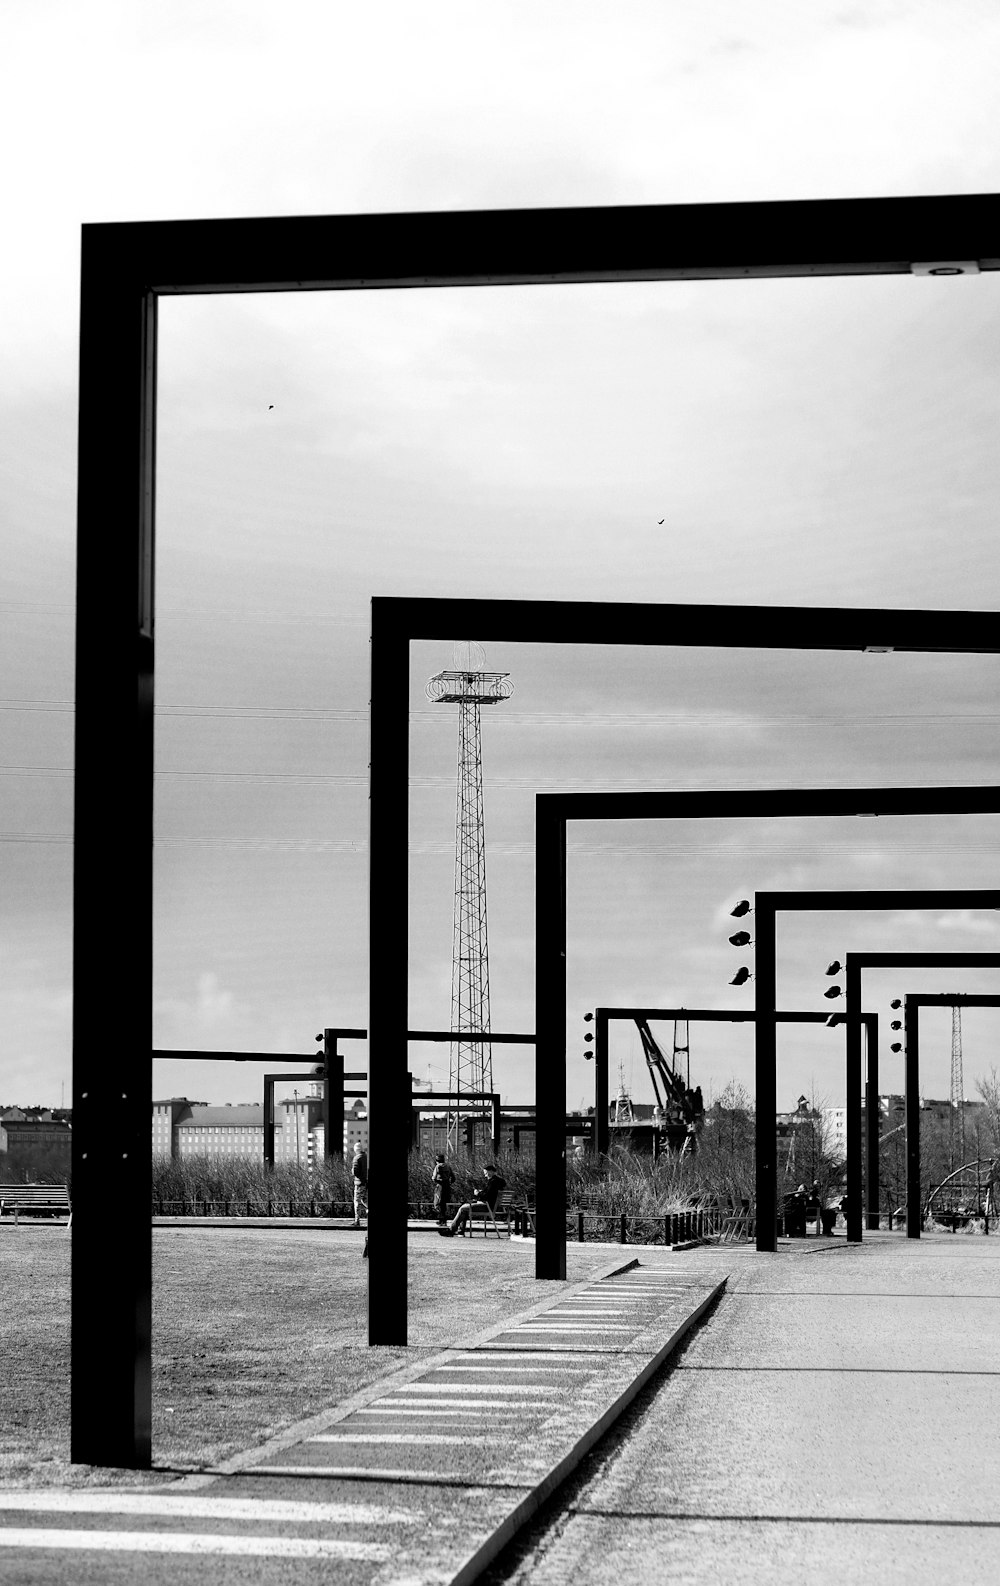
(181, 1542)
(188, 1506)
(418, 1389)
(514, 1411)
(529, 1367)
(589, 1310)
(429, 1478)
(405, 1405)
(540, 1356)
(572, 1327)
(420, 1438)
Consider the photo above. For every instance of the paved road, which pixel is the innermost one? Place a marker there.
(835, 1420)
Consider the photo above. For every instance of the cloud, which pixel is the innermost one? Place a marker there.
(969, 920)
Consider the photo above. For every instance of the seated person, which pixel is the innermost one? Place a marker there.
(491, 1191)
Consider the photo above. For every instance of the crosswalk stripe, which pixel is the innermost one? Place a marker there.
(419, 1478)
(549, 1358)
(514, 1412)
(419, 1389)
(529, 1366)
(571, 1327)
(188, 1506)
(420, 1438)
(190, 1542)
(587, 1311)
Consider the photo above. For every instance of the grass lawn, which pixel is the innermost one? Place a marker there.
(253, 1330)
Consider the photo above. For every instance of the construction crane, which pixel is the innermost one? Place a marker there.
(682, 1108)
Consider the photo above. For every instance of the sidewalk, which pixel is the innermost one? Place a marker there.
(424, 1476)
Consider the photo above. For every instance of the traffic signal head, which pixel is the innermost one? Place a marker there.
(897, 1046)
(741, 976)
(741, 939)
(743, 907)
(835, 967)
(896, 1003)
(833, 991)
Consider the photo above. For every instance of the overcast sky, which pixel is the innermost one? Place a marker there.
(810, 442)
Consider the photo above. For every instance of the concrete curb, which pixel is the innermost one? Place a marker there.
(528, 1507)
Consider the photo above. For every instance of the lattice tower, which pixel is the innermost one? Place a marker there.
(469, 686)
(957, 1118)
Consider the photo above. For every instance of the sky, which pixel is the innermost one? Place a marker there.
(799, 442)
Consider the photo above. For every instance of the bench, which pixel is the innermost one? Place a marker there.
(513, 1205)
(44, 1199)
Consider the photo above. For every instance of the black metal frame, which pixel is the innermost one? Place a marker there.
(554, 810)
(767, 906)
(125, 269)
(603, 1016)
(854, 964)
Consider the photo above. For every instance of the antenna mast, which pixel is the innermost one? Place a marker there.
(957, 1090)
(469, 686)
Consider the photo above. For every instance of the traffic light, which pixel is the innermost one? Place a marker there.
(743, 907)
(741, 939)
(588, 1018)
(741, 976)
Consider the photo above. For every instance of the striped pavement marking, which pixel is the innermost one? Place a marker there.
(588, 1311)
(419, 1389)
(541, 1326)
(416, 1478)
(466, 1404)
(529, 1359)
(422, 1439)
(185, 1506)
(525, 1369)
(287, 1547)
(511, 1410)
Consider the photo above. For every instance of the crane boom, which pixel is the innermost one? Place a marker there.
(682, 1107)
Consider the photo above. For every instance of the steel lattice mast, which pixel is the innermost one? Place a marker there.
(471, 1067)
(957, 1089)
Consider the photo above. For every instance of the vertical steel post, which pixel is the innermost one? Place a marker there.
(911, 1085)
(550, 1041)
(855, 1153)
(766, 1059)
(388, 1093)
(333, 1096)
(873, 1120)
(268, 1123)
(602, 1122)
(113, 868)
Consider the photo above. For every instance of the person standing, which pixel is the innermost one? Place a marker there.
(442, 1178)
(359, 1168)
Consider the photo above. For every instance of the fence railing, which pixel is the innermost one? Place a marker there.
(670, 1228)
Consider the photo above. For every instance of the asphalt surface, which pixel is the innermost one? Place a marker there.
(834, 1421)
(417, 1481)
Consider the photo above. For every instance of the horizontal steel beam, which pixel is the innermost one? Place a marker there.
(650, 242)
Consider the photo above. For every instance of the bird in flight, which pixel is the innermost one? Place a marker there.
(270, 405)
(661, 521)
